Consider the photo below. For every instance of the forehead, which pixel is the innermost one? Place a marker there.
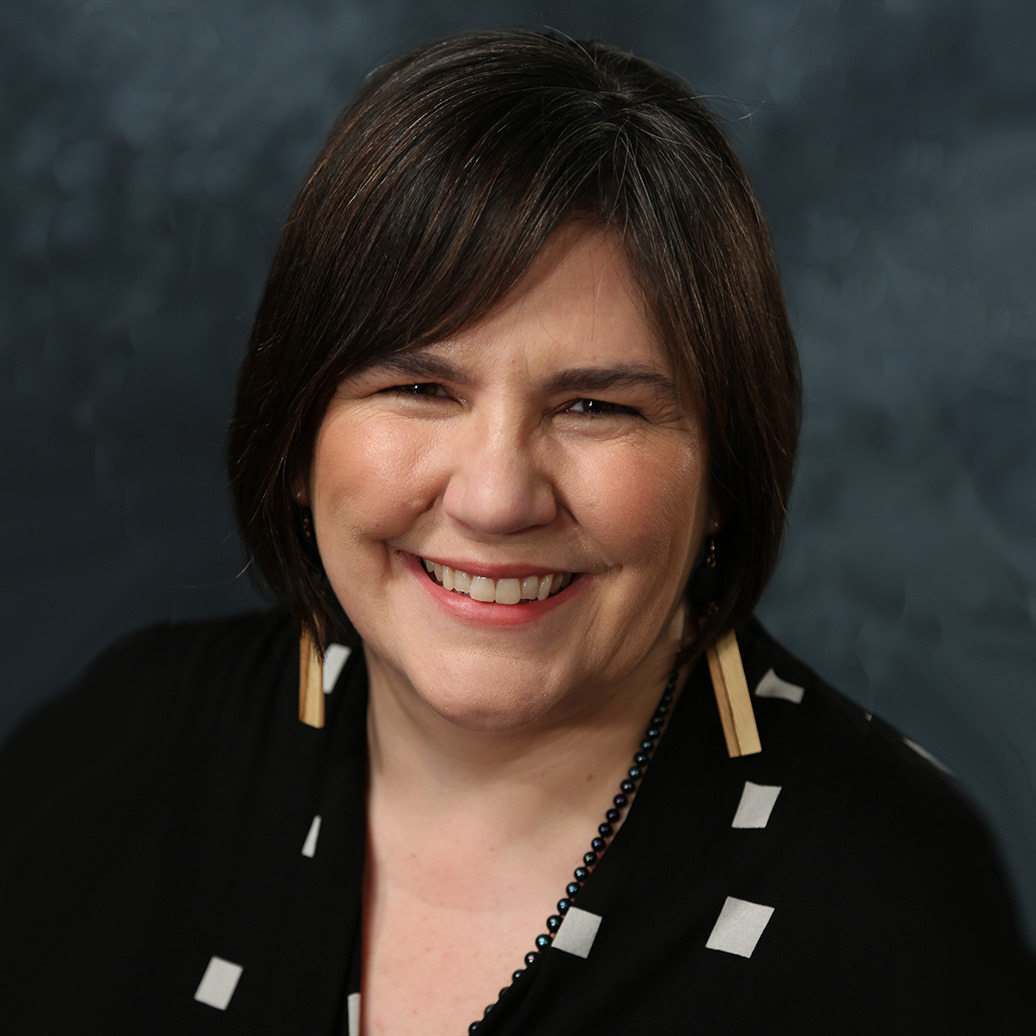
(577, 300)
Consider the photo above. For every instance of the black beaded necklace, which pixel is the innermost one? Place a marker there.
(641, 758)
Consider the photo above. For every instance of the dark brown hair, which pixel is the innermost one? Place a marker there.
(435, 190)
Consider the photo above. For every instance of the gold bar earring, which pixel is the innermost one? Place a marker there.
(732, 697)
(311, 680)
(725, 668)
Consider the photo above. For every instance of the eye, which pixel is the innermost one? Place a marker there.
(422, 388)
(600, 408)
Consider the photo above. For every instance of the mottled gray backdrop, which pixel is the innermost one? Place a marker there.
(148, 152)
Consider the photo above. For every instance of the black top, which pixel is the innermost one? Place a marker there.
(162, 869)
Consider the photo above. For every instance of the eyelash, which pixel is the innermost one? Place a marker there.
(601, 408)
(592, 408)
(419, 388)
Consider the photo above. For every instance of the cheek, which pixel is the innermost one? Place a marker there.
(367, 476)
(649, 505)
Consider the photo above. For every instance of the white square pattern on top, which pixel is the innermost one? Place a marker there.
(218, 983)
(739, 926)
(772, 686)
(756, 805)
(577, 932)
(335, 657)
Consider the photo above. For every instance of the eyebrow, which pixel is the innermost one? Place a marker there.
(574, 379)
(418, 365)
(590, 379)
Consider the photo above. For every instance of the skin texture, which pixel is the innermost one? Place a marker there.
(495, 470)
(498, 733)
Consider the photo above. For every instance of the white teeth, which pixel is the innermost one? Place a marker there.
(482, 589)
(508, 591)
(500, 591)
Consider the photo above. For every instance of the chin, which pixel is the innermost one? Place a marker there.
(474, 701)
(499, 712)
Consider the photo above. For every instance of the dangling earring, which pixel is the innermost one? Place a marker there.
(311, 665)
(311, 680)
(725, 668)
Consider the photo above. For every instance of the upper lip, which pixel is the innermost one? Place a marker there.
(495, 570)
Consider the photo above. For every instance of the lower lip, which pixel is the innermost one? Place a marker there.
(484, 613)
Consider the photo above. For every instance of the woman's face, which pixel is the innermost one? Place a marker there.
(549, 440)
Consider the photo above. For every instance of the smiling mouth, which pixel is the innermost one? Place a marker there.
(498, 591)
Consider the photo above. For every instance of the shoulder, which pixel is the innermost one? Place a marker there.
(882, 865)
(853, 773)
(134, 680)
(841, 758)
(165, 689)
(158, 804)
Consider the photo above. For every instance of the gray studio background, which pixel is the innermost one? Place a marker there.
(149, 150)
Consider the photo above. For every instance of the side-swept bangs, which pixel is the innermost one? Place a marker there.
(437, 187)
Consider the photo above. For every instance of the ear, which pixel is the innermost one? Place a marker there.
(299, 491)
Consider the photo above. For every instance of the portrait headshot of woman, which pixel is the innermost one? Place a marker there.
(504, 740)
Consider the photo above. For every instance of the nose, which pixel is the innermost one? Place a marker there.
(500, 482)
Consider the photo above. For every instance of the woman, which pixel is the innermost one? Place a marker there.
(514, 439)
